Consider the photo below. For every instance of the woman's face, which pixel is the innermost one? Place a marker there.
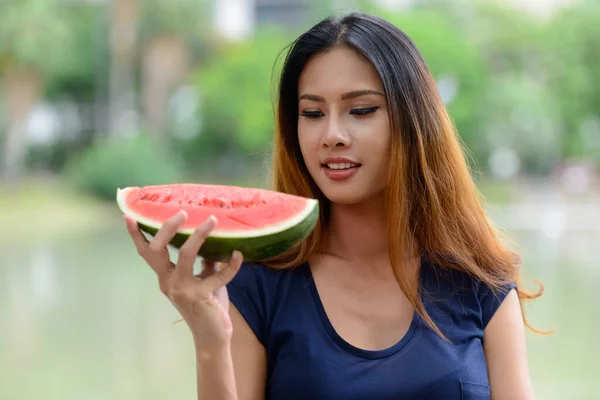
(343, 126)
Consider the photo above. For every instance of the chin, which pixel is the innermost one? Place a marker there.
(346, 195)
(347, 192)
(344, 200)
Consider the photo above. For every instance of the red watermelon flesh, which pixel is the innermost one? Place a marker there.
(260, 223)
(236, 208)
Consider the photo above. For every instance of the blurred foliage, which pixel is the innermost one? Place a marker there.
(52, 157)
(112, 164)
(510, 79)
(237, 105)
(553, 59)
(572, 60)
(521, 115)
(84, 74)
(186, 19)
(35, 35)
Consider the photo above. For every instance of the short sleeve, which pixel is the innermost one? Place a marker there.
(247, 293)
(490, 300)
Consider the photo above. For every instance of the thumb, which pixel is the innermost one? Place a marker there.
(208, 268)
(226, 274)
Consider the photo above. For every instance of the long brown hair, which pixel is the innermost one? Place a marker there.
(431, 200)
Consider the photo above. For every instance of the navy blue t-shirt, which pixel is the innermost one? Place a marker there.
(307, 359)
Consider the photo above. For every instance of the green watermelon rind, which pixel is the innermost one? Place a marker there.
(255, 247)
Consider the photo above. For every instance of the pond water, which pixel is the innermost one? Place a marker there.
(83, 318)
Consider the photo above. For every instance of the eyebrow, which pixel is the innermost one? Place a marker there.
(345, 96)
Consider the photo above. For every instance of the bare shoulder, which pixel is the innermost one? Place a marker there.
(506, 352)
(249, 359)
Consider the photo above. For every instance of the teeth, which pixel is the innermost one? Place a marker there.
(341, 166)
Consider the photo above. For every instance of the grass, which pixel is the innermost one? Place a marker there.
(49, 206)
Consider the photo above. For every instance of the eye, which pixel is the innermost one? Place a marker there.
(364, 111)
(312, 114)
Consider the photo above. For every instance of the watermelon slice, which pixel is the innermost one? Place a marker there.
(259, 223)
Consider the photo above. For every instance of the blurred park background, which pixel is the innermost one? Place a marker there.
(100, 94)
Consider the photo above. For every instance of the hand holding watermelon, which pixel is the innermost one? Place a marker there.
(201, 300)
(260, 223)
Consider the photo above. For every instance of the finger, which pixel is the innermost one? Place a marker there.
(139, 239)
(143, 248)
(167, 231)
(189, 250)
(226, 274)
(208, 268)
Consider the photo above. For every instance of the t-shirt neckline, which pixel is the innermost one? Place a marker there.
(333, 334)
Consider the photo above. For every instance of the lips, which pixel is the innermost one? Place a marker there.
(339, 163)
(339, 168)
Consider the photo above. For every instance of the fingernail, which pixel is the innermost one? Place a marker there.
(181, 215)
(212, 220)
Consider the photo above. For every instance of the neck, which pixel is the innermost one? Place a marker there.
(358, 232)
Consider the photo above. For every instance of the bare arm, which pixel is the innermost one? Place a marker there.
(215, 375)
(506, 352)
(236, 372)
(249, 359)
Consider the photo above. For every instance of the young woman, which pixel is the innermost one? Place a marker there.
(404, 290)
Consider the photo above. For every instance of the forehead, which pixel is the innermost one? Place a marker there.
(338, 71)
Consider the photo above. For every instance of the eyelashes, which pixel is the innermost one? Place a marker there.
(356, 111)
(364, 111)
(312, 114)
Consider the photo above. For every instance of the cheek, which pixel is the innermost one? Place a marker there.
(308, 138)
(384, 137)
(380, 150)
(303, 144)
(375, 138)
(307, 148)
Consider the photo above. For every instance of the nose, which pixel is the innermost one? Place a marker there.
(335, 136)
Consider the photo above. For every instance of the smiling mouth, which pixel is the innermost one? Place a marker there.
(340, 166)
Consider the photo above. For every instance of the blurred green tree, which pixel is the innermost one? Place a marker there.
(518, 109)
(35, 43)
(174, 36)
(572, 49)
(237, 102)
